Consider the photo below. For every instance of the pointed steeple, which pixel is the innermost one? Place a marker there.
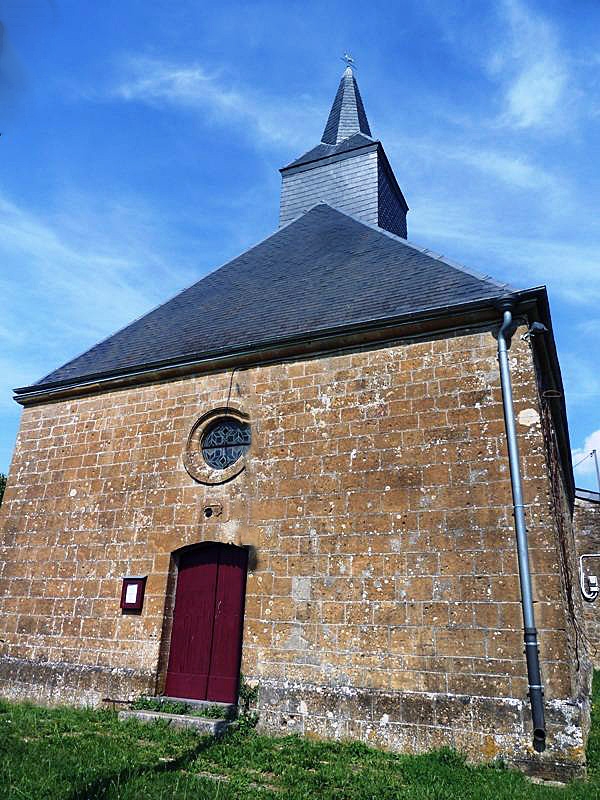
(348, 169)
(347, 115)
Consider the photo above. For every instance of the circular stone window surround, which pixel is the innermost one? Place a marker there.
(193, 459)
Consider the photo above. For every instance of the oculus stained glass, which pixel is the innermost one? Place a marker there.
(224, 442)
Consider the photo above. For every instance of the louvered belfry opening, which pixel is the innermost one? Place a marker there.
(348, 169)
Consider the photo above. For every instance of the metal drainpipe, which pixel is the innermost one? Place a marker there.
(536, 690)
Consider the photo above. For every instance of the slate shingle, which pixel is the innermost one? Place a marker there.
(347, 115)
(324, 150)
(323, 271)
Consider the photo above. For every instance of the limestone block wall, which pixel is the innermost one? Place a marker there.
(587, 533)
(383, 599)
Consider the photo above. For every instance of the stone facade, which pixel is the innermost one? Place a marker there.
(383, 596)
(587, 531)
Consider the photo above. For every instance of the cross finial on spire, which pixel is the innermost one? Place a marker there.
(348, 60)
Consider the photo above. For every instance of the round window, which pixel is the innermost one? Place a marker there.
(225, 441)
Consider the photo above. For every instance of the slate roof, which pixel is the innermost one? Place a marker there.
(347, 115)
(323, 271)
(323, 150)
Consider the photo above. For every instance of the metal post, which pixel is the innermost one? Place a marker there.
(595, 454)
(536, 690)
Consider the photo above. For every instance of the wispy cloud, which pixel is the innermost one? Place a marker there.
(585, 471)
(291, 120)
(570, 267)
(532, 68)
(195, 87)
(81, 276)
(514, 170)
(509, 169)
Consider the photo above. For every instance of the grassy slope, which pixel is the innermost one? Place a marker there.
(69, 754)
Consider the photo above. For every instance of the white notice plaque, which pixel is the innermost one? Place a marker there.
(131, 593)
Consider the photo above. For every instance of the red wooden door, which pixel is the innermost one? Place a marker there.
(206, 639)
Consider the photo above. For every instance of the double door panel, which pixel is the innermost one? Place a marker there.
(206, 638)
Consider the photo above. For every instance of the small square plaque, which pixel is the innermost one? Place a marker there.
(132, 593)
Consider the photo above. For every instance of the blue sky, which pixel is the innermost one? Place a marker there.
(141, 142)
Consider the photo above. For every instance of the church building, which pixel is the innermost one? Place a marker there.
(338, 465)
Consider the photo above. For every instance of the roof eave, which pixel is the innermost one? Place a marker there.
(535, 305)
(310, 342)
(305, 165)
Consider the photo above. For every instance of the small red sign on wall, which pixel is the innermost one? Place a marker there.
(132, 593)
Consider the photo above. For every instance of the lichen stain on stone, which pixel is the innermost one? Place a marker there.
(490, 748)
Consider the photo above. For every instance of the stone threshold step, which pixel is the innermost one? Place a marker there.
(204, 725)
(228, 708)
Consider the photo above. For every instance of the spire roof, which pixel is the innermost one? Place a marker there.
(348, 169)
(347, 115)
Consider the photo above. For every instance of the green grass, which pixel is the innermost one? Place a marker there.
(72, 754)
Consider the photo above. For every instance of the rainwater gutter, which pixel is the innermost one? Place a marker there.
(536, 690)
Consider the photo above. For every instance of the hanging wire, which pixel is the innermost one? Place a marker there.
(230, 387)
(589, 455)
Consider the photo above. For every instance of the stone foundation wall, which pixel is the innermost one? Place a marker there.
(55, 683)
(587, 536)
(376, 502)
(484, 728)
